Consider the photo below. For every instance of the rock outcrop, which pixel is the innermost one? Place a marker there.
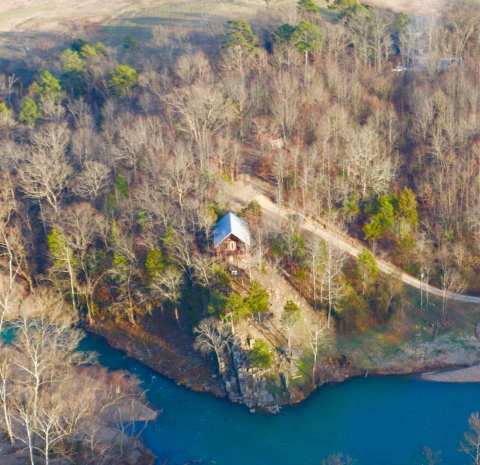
(246, 385)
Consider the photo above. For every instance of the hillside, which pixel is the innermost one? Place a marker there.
(126, 137)
(63, 15)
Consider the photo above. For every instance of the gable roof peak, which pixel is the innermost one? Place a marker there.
(231, 224)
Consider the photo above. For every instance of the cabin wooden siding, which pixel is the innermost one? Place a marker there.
(231, 236)
(231, 246)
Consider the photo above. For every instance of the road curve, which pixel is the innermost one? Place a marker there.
(244, 192)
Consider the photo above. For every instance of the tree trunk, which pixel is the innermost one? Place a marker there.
(8, 423)
(30, 441)
(72, 285)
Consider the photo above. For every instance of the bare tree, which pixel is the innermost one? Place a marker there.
(93, 180)
(167, 286)
(213, 336)
(285, 101)
(124, 271)
(81, 225)
(191, 68)
(51, 405)
(204, 268)
(331, 279)
(280, 166)
(43, 346)
(471, 443)
(179, 177)
(203, 111)
(11, 261)
(368, 167)
(451, 281)
(290, 317)
(44, 172)
(317, 266)
(318, 340)
(5, 379)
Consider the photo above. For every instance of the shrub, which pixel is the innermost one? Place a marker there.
(123, 79)
(307, 6)
(237, 307)
(72, 62)
(121, 185)
(29, 112)
(260, 356)
(257, 299)
(154, 262)
(291, 313)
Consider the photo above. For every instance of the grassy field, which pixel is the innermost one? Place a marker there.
(63, 15)
(415, 337)
(24, 24)
(420, 7)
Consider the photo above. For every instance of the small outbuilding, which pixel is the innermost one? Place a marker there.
(231, 236)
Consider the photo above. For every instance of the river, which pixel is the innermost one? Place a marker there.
(378, 421)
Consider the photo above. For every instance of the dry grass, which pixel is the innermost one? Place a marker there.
(63, 15)
(67, 15)
(29, 24)
(420, 7)
(410, 343)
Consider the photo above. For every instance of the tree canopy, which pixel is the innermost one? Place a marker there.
(240, 34)
(124, 79)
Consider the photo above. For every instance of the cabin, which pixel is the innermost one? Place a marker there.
(231, 236)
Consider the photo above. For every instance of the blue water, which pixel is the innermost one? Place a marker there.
(7, 335)
(378, 421)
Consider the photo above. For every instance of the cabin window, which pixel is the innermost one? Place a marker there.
(231, 245)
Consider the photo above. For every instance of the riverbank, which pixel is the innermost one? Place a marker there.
(469, 374)
(337, 418)
(169, 352)
(166, 351)
(169, 355)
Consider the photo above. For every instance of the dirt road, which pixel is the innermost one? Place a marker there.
(246, 191)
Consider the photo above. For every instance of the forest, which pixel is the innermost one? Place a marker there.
(117, 161)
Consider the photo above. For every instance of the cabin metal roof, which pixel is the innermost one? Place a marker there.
(231, 224)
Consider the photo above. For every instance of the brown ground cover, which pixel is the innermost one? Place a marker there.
(420, 7)
(65, 15)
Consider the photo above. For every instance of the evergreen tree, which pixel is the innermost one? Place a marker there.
(257, 299)
(47, 86)
(260, 356)
(124, 79)
(240, 35)
(29, 112)
(154, 262)
(367, 270)
(382, 220)
(306, 7)
(407, 206)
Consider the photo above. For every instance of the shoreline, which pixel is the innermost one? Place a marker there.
(468, 374)
(177, 367)
(435, 372)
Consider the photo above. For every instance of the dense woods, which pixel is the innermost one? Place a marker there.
(98, 152)
(114, 162)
